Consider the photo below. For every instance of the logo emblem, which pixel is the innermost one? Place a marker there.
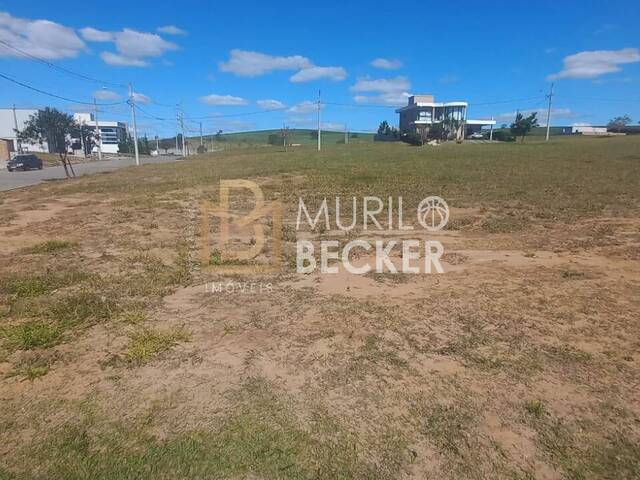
(433, 213)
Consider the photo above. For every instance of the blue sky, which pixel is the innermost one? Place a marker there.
(236, 58)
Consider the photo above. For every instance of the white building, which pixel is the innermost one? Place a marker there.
(16, 118)
(588, 130)
(111, 133)
(423, 111)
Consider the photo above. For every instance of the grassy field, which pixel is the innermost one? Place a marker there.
(519, 362)
(300, 136)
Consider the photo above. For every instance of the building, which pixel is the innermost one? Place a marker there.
(423, 111)
(588, 130)
(12, 119)
(111, 133)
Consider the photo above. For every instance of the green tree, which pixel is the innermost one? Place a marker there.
(618, 123)
(167, 143)
(57, 129)
(89, 139)
(523, 125)
(384, 128)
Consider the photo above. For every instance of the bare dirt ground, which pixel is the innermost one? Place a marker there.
(520, 361)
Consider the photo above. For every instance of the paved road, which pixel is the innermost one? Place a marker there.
(12, 180)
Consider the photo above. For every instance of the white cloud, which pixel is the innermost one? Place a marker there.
(392, 99)
(592, 64)
(40, 38)
(94, 35)
(215, 99)
(106, 95)
(388, 91)
(381, 85)
(386, 63)
(116, 60)
(134, 44)
(269, 104)
(171, 30)
(315, 73)
(141, 98)
(304, 107)
(133, 48)
(245, 63)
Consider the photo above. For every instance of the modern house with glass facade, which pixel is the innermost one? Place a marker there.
(111, 133)
(423, 111)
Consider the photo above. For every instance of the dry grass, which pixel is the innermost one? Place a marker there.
(519, 362)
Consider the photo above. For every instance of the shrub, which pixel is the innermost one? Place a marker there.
(412, 138)
(201, 149)
(502, 136)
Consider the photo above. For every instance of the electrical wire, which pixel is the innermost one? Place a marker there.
(17, 82)
(59, 68)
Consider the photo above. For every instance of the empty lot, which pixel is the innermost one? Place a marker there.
(519, 362)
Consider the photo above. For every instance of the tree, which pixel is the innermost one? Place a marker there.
(88, 138)
(143, 146)
(523, 125)
(384, 128)
(57, 129)
(167, 143)
(618, 123)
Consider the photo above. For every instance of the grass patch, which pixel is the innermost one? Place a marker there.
(31, 368)
(535, 408)
(81, 308)
(50, 246)
(260, 437)
(503, 224)
(30, 335)
(52, 317)
(34, 284)
(216, 258)
(147, 343)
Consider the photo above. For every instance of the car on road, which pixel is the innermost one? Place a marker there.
(476, 136)
(24, 162)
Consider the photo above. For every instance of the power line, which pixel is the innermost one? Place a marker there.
(59, 68)
(17, 82)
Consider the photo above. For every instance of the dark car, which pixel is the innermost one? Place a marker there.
(24, 162)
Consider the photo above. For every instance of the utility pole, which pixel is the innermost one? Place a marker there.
(177, 127)
(201, 142)
(157, 143)
(491, 131)
(84, 150)
(97, 132)
(18, 144)
(135, 125)
(346, 135)
(549, 112)
(319, 129)
(181, 119)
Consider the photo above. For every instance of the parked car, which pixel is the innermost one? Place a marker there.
(476, 136)
(24, 162)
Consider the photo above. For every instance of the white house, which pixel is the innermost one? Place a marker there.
(12, 119)
(423, 111)
(111, 133)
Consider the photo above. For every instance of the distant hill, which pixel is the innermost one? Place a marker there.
(302, 136)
